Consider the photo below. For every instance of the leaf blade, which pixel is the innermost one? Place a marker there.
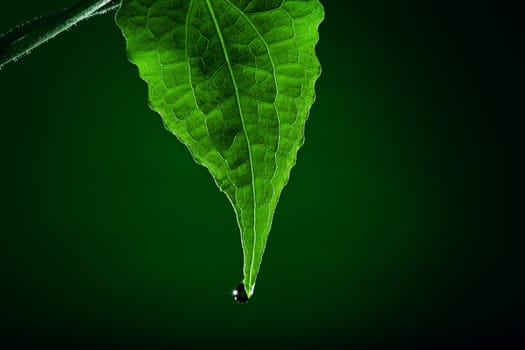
(234, 81)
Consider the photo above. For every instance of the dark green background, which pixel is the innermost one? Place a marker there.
(399, 226)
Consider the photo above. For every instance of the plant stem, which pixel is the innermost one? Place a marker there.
(25, 37)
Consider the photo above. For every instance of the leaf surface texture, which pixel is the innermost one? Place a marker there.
(234, 81)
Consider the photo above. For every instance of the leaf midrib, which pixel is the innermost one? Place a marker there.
(274, 74)
(237, 97)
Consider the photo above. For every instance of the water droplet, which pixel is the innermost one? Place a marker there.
(239, 294)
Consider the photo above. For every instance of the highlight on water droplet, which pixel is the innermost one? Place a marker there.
(239, 294)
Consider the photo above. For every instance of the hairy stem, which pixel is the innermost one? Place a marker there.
(29, 35)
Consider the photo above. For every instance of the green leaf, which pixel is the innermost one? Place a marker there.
(234, 81)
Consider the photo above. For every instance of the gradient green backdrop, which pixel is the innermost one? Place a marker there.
(384, 236)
